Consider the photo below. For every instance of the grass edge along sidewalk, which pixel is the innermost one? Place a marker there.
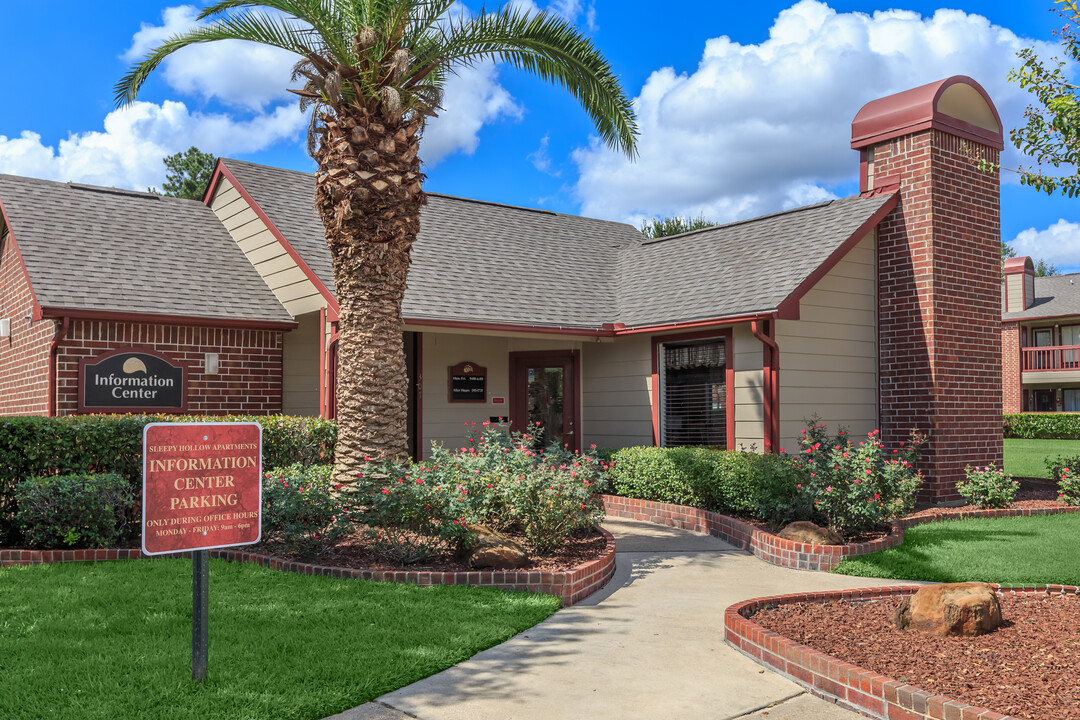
(1013, 551)
(112, 640)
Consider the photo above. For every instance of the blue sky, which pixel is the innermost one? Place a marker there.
(745, 108)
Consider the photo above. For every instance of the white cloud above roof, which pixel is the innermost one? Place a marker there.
(762, 127)
(127, 152)
(1058, 244)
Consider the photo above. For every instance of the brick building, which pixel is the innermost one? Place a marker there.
(1040, 340)
(878, 310)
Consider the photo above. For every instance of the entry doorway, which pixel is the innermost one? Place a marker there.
(545, 388)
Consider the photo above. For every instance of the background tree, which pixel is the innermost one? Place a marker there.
(673, 225)
(188, 173)
(1042, 267)
(1051, 133)
(373, 72)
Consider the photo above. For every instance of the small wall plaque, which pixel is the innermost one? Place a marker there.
(468, 383)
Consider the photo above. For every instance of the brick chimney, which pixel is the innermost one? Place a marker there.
(939, 273)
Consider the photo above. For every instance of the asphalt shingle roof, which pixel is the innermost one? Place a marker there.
(1055, 296)
(104, 249)
(485, 262)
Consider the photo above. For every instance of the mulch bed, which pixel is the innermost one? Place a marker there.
(1032, 497)
(1028, 668)
(354, 552)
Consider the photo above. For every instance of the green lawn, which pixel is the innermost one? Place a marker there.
(1036, 550)
(113, 640)
(1024, 458)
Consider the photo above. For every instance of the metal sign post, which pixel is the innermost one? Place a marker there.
(202, 489)
(200, 613)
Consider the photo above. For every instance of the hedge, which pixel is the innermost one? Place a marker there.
(1049, 426)
(725, 481)
(44, 446)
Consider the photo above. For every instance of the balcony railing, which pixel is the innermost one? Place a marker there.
(1042, 359)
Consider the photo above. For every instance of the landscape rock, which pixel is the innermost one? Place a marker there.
(495, 551)
(807, 532)
(953, 609)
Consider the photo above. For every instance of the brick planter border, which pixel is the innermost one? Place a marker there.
(848, 685)
(776, 550)
(571, 586)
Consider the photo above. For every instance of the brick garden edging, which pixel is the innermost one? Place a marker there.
(778, 551)
(572, 586)
(840, 682)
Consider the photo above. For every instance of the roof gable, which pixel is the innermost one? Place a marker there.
(111, 250)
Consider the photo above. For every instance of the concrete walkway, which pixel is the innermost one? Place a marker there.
(648, 645)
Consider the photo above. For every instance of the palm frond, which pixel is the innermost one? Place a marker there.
(549, 48)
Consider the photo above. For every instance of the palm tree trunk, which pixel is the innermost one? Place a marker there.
(369, 194)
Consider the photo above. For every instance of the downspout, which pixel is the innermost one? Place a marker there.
(61, 333)
(770, 382)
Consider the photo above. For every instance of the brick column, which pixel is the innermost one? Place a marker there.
(939, 278)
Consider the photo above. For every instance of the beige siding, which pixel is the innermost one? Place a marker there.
(828, 358)
(444, 421)
(616, 397)
(300, 367)
(1029, 288)
(1014, 292)
(749, 390)
(281, 273)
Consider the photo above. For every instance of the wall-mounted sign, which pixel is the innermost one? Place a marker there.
(132, 379)
(202, 486)
(468, 383)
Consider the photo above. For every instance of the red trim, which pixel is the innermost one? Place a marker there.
(185, 366)
(35, 312)
(727, 335)
(517, 405)
(418, 365)
(788, 309)
(917, 109)
(61, 333)
(222, 171)
(322, 362)
(509, 327)
(770, 371)
(159, 319)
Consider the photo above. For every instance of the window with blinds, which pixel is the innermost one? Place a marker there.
(695, 394)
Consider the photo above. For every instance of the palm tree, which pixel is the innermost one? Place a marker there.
(373, 73)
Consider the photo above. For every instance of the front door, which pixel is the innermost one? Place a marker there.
(544, 396)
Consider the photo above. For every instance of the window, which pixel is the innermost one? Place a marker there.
(695, 400)
(1072, 400)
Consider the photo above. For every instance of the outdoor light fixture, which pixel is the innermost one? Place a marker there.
(5, 327)
(211, 363)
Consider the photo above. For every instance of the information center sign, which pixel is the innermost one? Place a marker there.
(202, 486)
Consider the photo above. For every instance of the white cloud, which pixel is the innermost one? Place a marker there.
(127, 153)
(541, 160)
(1058, 244)
(235, 73)
(758, 128)
(471, 99)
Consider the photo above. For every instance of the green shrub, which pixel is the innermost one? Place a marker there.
(302, 509)
(855, 487)
(653, 473)
(1058, 464)
(987, 487)
(725, 481)
(1055, 426)
(495, 478)
(41, 446)
(73, 511)
(1069, 486)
